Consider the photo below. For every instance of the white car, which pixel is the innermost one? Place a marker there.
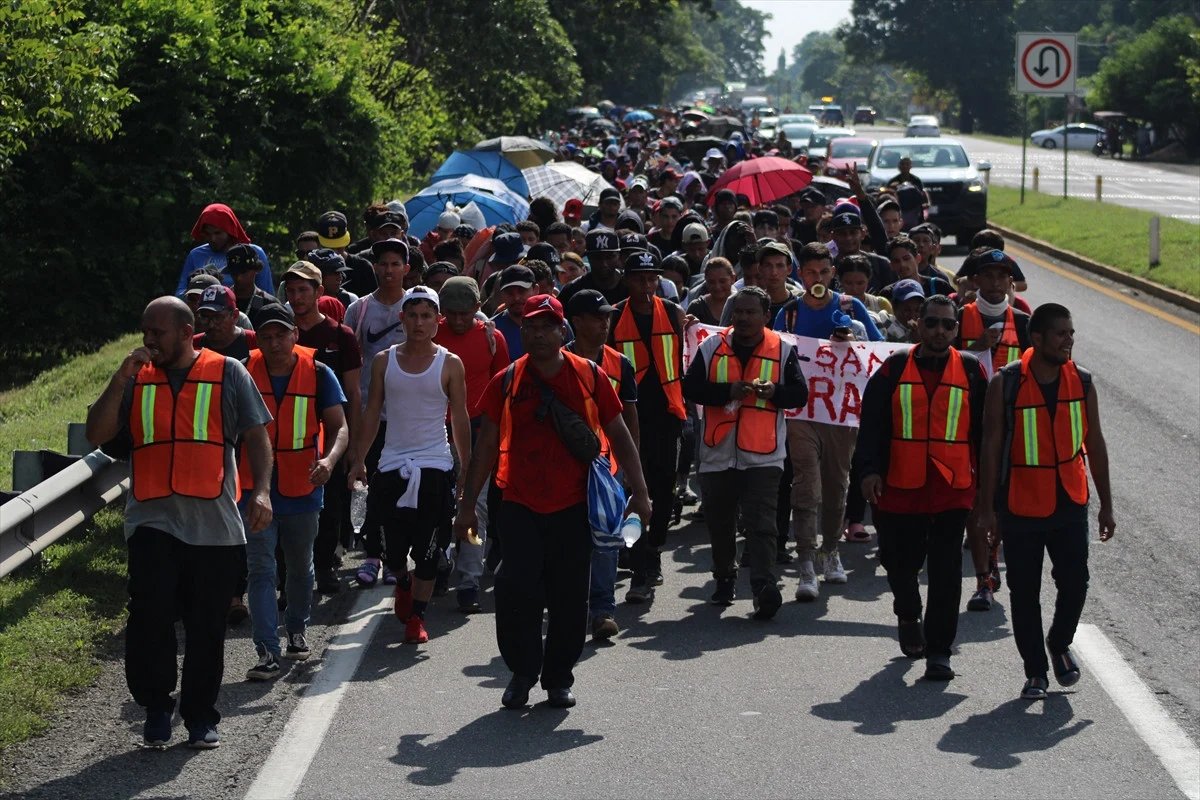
(798, 132)
(797, 119)
(1083, 136)
(922, 125)
(818, 142)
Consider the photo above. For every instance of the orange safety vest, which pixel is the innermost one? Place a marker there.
(585, 373)
(610, 362)
(926, 429)
(295, 426)
(971, 329)
(668, 353)
(179, 439)
(1043, 453)
(756, 418)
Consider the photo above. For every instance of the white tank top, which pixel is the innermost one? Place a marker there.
(416, 410)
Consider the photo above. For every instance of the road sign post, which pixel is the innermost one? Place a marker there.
(1024, 141)
(1066, 143)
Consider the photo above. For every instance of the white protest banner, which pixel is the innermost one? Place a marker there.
(837, 372)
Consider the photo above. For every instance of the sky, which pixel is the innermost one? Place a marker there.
(792, 20)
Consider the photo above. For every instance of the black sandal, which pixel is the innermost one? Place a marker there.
(1035, 689)
(912, 638)
(1066, 669)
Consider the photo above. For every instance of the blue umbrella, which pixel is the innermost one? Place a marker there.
(427, 206)
(638, 116)
(486, 164)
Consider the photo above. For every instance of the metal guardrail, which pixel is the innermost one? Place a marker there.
(35, 519)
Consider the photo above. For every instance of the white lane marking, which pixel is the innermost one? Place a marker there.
(1164, 736)
(281, 775)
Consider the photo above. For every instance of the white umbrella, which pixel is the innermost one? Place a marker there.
(566, 180)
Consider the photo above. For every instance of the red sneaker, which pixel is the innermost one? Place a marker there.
(415, 633)
(404, 603)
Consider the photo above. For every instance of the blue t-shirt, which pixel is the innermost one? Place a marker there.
(819, 324)
(329, 393)
(204, 256)
(511, 331)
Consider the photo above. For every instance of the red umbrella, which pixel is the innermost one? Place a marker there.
(762, 180)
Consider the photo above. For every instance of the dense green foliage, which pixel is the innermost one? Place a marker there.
(120, 121)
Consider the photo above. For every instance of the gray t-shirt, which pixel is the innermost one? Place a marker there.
(377, 329)
(193, 520)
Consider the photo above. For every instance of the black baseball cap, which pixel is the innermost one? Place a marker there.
(602, 240)
(545, 252)
(333, 230)
(634, 241)
(588, 301)
(391, 246)
(610, 194)
(812, 195)
(508, 248)
(200, 282)
(977, 262)
(241, 258)
(846, 220)
(642, 262)
(274, 313)
(516, 275)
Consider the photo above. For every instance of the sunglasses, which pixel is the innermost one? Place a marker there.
(947, 324)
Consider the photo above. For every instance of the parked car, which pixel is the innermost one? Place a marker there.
(922, 125)
(818, 142)
(845, 152)
(957, 195)
(864, 115)
(1082, 136)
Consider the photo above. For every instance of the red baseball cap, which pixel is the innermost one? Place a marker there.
(543, 305)
(573, 209)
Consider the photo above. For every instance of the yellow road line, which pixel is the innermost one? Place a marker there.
(1139, 305)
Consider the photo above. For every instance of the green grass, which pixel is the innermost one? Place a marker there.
(1107, 233)
(35, 416)
(58, 618)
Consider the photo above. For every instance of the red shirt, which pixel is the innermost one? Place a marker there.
(477, 357)
(1020, 305)
(543, 476)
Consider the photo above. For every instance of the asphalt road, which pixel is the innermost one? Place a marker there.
(693, 700)
(1168, 189)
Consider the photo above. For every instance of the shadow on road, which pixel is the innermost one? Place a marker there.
(499, 739)
(134, 771)
(882, 701)
(1018, 726)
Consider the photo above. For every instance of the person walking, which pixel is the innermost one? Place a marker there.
(591, 317)
(308, 436)
(182, 526)
(417, 382)
(543, 519)
(745, 378)
(1041, 416)
(649, 332)
(917, 450)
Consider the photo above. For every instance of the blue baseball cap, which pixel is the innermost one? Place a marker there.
(907, 289)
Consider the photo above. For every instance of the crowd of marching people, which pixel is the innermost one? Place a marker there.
(480, 383)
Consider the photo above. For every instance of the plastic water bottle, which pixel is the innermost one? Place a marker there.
(631, 529)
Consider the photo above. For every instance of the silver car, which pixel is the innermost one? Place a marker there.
(923, 125)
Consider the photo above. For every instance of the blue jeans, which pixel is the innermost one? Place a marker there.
(602, 600)
(295, 533)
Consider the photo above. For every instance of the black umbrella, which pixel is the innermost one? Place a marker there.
(697, 147)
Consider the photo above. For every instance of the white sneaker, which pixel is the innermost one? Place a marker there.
(831, 563)
(807, 591)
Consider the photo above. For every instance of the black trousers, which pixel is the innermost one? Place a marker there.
(372, 527)
(169, 579)
(856, 504)
(783, 503)
(908, 541)
(546, 567)
(334, 525)
(1023, 555)
(659, 450)
(411, 529)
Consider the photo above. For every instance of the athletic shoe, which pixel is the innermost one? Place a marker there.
(156, 732)
(1066, 668)
(468, 601)
(767, 602)
(807, 591)
(415, 632)
(238, 613)
(368, 572)
(203, 737)
(726, 589)
(267, 669)
(640, 591)
(1035, 688)
(297, 649)
(604, 627)
(327, 581)
(982, 599)
(403, 603)
(389, 578)
(831, 565)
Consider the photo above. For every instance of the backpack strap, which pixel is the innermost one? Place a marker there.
(1011, 379)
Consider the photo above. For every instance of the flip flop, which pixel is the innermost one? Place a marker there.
(857, 533)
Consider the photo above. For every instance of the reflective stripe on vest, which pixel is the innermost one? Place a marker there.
(931, 429)
(756, 418)
(294, 429)
(178, 438)
(585, 373)
(666, 352)
(1007, 350)
(1045, 453)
